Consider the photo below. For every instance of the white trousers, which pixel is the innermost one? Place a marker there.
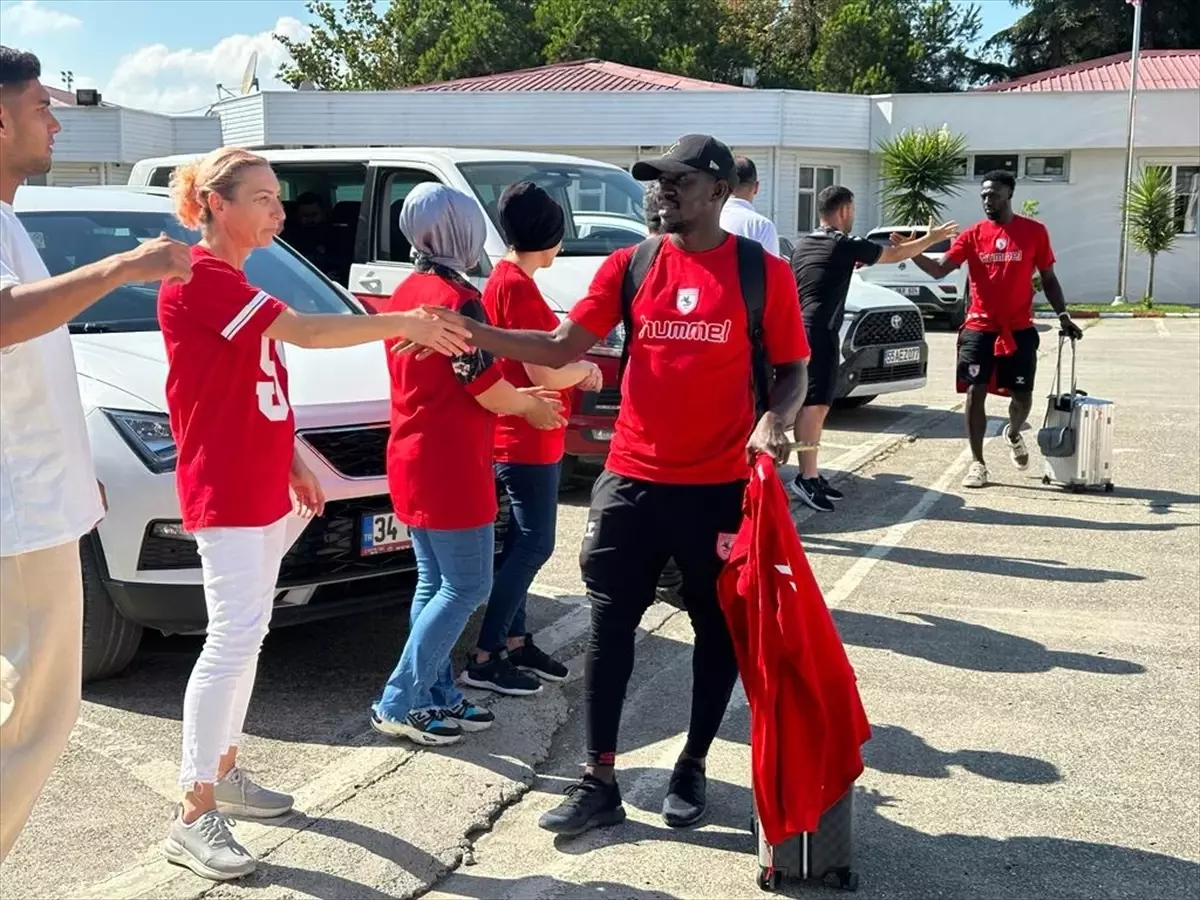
(241, 567)
(41, 646)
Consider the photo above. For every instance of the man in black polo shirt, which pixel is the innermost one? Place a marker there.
(823, 264)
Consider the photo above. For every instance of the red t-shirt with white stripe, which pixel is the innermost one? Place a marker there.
(227, 398)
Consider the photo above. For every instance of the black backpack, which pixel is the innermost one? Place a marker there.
(752, 279)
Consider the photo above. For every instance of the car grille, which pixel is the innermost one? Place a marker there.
(353, 452)
(327, 550)
(608, 398)
(902, 372)
(879, 327)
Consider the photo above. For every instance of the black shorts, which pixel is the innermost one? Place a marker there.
(978, 363)
(823, 365)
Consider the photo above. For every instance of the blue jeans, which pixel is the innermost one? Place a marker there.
(528, 543)
(454, 575)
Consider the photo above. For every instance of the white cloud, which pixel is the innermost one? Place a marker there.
(161, 79)
(29, 17)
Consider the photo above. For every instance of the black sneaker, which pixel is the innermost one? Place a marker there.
(829, 490)
(591, 803)
(808, 491)
(470, 716)
(687, 795)
(500, 675)
(532, 659)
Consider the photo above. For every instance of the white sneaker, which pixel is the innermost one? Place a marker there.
(977, 476)
(237, 795)
(207, 847)
(1017, 450)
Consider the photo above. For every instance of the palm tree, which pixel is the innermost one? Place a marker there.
(917, 167)
(1150, 206)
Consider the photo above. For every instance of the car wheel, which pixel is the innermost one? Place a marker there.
(855, 402)
(669, 584)
(110, 640)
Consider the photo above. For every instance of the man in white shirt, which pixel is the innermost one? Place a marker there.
(739, 215)
(49, 496)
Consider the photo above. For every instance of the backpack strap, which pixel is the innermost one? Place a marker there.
(752, 275)
(635, 273)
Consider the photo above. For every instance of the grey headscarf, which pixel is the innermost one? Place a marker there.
(445, 227)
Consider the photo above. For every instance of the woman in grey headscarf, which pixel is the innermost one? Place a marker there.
(439, 468)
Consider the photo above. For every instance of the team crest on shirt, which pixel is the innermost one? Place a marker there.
(687, 299)
(1001, 243)
(725, 545)
(973, 370)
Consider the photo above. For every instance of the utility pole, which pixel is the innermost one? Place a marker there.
(1123, 256)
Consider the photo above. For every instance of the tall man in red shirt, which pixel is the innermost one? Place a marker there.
(677, 466)
(997, 348)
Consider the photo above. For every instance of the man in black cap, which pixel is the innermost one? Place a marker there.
(679, 458)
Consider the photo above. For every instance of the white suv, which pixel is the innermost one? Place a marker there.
(141, 569)
(943, 299)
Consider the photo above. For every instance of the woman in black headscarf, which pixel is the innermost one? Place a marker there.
(527, 460)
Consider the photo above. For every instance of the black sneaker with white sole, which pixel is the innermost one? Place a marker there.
(808, 491)
(499, 675)
(829, 490)
(428, 727)
(532, 659)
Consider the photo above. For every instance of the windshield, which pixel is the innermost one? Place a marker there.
(68, 240)
(881, 238)
(603, 206)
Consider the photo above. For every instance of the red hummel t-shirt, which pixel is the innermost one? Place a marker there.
(227, 398)
(687, 399)
(512, 300)
(1001, 259)
(439, 455)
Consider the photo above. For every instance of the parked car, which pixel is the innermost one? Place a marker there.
(141, 569)
(883, 342)
(362, 247)
(943, 300)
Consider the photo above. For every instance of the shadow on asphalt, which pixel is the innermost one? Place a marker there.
(896, 750)
(963, 645)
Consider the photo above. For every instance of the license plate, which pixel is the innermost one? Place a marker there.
(601, 434)
(908, 291)
(382, 533)
(898, 355)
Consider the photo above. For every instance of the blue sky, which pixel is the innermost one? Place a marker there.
(169, 56)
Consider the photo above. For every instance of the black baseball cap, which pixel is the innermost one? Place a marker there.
(691, 153)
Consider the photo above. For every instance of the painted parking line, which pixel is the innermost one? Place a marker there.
(1161, 327)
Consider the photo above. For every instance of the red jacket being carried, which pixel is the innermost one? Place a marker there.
(807, 723)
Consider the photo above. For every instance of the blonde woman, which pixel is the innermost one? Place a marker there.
(237, 475)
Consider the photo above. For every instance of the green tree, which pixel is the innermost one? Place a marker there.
(880, 46)
(917, 168)
(1056, 33)
(1150, 206)
(353, 46)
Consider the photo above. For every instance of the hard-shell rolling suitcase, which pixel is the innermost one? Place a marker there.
(825, 855)
(1076, 437)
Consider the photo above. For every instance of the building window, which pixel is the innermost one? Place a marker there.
(990, 162)
(1187, 198)
(813, 180)
(1041, 167)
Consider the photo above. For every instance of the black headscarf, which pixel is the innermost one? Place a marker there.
(529, 218)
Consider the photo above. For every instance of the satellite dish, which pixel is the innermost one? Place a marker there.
(250, 77)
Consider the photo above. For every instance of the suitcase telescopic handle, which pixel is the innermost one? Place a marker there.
(1062, 339)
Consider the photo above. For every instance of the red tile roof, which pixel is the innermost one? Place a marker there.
(1157, 70)
(579, 75)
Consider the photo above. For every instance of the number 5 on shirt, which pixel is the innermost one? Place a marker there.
(271, 401)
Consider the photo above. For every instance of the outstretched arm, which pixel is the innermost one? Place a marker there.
(899, 252)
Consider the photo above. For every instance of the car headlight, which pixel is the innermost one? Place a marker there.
(148, 435)
(613, 344)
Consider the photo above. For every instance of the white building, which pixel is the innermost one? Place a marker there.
(1062, 133)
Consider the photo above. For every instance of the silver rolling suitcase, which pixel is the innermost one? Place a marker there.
(825, 855)
(1076, 437)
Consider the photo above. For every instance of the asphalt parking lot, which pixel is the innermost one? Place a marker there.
(1028, 658)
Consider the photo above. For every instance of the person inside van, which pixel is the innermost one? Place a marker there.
(439, 468)
(237, 474)
(528, 460)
